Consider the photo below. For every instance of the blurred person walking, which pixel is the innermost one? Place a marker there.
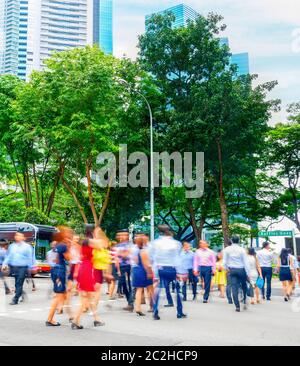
(19, 258)
(294, 268)
(124, 250)
(142, 275)
(86, 278)
(220, 277)
(205, 267)
(284, 265)
(3, 253)
(255, 274)
(74, 263)
(266, 260)
(187, 262)
(63, 239)
(166, 259)
(115, 269)
(237, 265)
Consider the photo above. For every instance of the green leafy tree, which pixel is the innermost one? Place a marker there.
(207, 106)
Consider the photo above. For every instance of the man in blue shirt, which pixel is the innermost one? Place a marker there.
(165, 252)
(124, 253)
(20, 259)
(187, 261)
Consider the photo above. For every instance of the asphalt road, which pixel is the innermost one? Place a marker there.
(274, 323)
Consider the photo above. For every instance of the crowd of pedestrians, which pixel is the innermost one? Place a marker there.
(140, 270)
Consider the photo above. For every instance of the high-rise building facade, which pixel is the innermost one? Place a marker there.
(31, 30)
(183, 14)
(13, 36)
(103, 24)
(241, 60)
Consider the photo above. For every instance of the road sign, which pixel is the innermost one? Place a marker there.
(265, 234)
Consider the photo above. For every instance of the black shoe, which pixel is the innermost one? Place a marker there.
(48, 324)
(194, 297)
(98, 324)
(238, 310)
(129, 308)
(139, 313)
(76, 327)
(230, 302)
(205, 301)
(156, 317)
(268, 299)
(181, 316)
(286, 299)
(13, 303)
(264, 298)
(169, 306)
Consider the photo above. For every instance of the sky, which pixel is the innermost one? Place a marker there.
(268, 29)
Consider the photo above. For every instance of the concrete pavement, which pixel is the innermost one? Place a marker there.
(272, 323)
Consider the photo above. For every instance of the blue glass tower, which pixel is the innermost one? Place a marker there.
(242, 62)
(183, 14)
(103, 24)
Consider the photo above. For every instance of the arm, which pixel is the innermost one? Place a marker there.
(258, 268)
(7, 258)
(278, 264)
(100, 240)
(213, 261)
(146, 263)
(196, 263)
(225, 260)
(246, 263)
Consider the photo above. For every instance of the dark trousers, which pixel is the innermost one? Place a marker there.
(168, 292)
(267, 273)
(206, 276)
(166, 276)
(229, 290)
(238, 278)
(20, 274)
(5, 283)
(193, 282)
(125, 283)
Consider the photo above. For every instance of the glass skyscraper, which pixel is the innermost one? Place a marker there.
(13, 36)
(103, 24)
(182, 13)
(241, 60)
(31, 30)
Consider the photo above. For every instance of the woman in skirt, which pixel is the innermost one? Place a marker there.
(285, 263)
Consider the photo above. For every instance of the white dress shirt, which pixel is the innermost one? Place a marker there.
(266, 258)
(236, 257)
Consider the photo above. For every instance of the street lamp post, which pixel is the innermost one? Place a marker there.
(152, 207)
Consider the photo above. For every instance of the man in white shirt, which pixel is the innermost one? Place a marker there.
(236, 263)
(266, 259)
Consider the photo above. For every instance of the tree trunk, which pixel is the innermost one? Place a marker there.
(76, 200)
(296, 208)
(59, 174)
(197, 232)
(37, 191)
(105, 203)
(223, 203)
(90, 192)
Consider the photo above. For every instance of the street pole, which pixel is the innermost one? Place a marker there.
(294, 243)
(152, 204)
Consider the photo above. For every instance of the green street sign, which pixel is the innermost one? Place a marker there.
(265, 234)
